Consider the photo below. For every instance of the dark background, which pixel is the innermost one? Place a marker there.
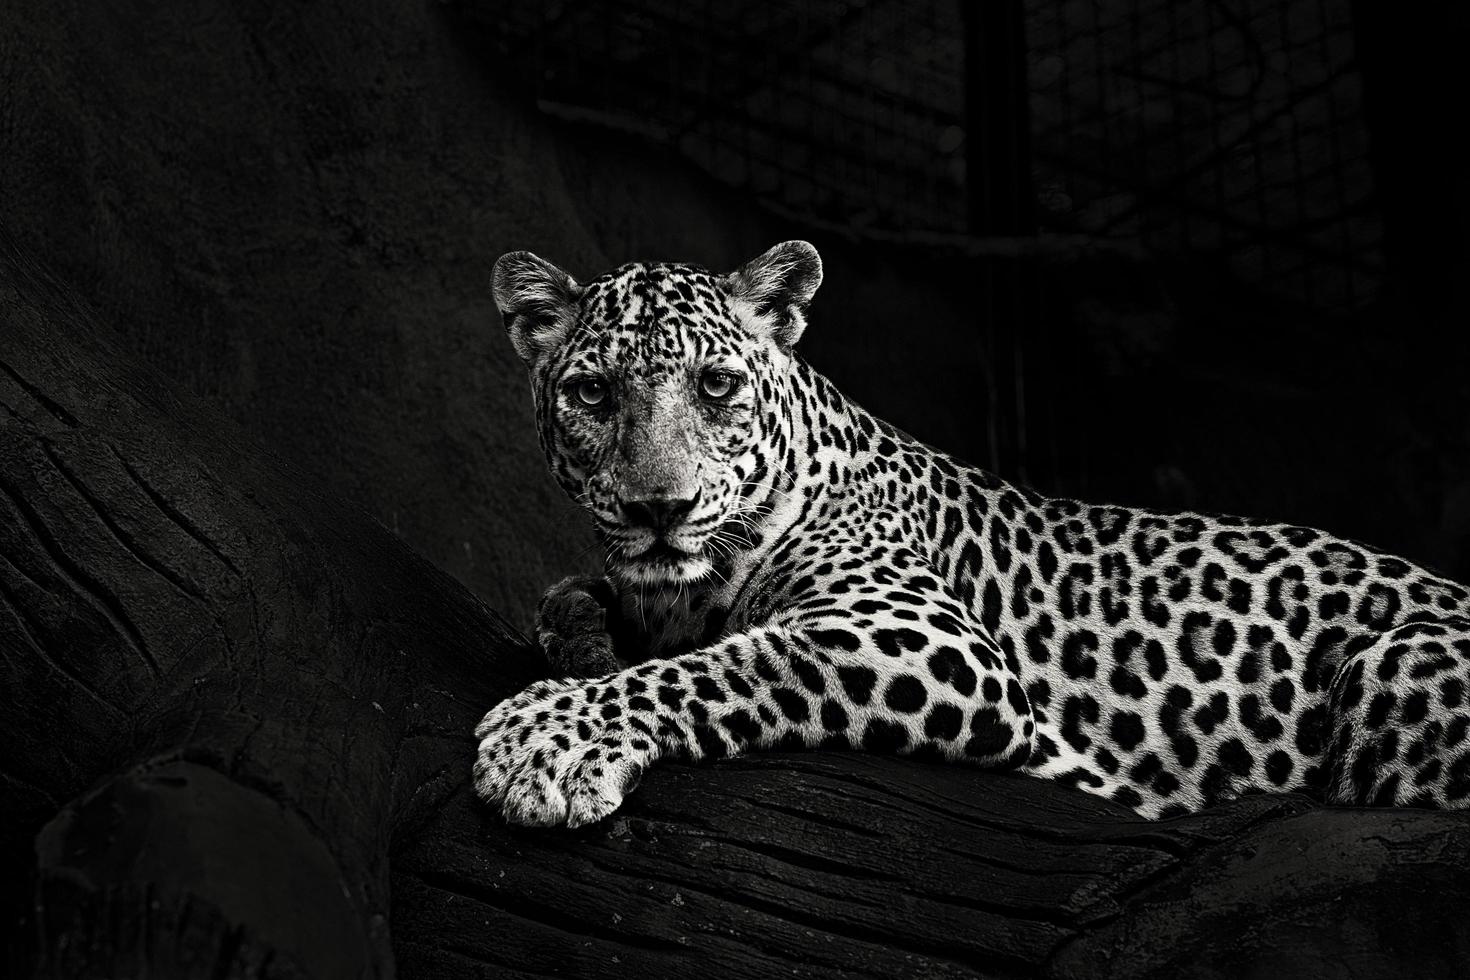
(1196, 254)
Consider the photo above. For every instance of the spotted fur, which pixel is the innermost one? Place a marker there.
(800, 574)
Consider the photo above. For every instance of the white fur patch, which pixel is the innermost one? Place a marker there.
(692, 569)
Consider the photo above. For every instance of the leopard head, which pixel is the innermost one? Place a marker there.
(661, 392)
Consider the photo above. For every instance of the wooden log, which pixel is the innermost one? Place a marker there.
(237, 739)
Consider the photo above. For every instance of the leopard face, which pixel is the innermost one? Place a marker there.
(649, 416)
(659, 392)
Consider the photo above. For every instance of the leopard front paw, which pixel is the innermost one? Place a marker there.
(558, 755)
(571, 627)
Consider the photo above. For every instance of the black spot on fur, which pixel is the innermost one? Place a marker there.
(1235, 757)
(989, 735)
(894, 642)
(742, 726)
(858, 682)
(1016, 698)
(1378, 710)
(1128, 796)
(1076, 710)
(809, 674)
(707, 690)
(1127, 729)
(836, 639)
(1264, 726)
(711, 745)
(1155, 611)
(792, 704)
(1046, 561)
(990, 607)
(884, 736)
(1283, 693)
(738, 684)
(1278, 767)
(949, 667)
(1145, 769)
(1195, 643)
(1037, 637)
(905, 694)
(1077, 659)
(944, 722)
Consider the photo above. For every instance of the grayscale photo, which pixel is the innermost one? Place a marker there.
(803, 488)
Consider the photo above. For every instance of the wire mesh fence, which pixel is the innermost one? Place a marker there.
(844, 110)
(1229, 130)
(1233, 129)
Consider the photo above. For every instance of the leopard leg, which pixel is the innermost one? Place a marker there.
(871, 676)
(1400, 715)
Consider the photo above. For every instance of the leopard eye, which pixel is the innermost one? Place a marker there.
(718, 385)
(591, 391)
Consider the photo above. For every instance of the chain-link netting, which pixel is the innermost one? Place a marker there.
(1225, 129)
(1228, 127)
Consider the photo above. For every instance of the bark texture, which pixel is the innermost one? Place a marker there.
(236, 743)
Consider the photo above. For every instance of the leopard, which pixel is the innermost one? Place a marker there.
(786, 571)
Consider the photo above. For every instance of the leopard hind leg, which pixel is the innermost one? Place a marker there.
(1400, 717)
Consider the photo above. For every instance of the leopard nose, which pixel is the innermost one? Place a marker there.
(658, 513)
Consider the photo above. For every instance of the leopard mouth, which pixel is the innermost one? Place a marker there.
(663, 553)
(663, 563)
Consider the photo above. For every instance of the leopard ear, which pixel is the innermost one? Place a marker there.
(776, 288)
(537, 301)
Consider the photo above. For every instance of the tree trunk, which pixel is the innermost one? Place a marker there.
(237, 738)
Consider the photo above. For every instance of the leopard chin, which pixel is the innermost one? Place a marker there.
(659, 563)
(663, 571)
